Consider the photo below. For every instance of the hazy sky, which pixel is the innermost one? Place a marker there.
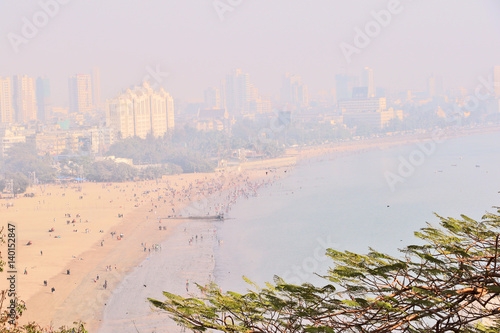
(457, 39)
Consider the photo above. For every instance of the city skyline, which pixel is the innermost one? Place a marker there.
(342, 87)
(264, 39)
(153, 153)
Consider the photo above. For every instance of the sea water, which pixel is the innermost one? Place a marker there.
(343, 203)
(347, 203)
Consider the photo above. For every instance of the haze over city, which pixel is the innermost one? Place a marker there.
(153, 153)
(266, 39)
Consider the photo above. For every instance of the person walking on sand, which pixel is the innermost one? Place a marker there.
(187, 285)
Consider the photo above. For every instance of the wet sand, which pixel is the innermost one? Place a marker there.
(176, 268)
(80, 296)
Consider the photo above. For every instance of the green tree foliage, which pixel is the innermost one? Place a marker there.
(451, 283)
(152, 172)
(366, 130)
(109, 171)
(22, 158)
(199, 151)
(192, 163)
(316, 134)
(73, 166)
(190, 150)
(19, 182)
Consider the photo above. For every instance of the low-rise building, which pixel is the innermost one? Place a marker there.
(212, 119)
(10, 136)
(371, 112)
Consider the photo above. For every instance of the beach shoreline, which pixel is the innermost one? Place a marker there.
(77, 296)
(290, 161)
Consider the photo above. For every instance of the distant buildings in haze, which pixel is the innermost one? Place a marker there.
(43, 101)
(6, 107)
(344, 85)
(367, 81)
(237, 93)
(293, 92)
(96, 88)
(434, 86)
(496, 80)
(368, 111)
(140, 111)
(80, 93)
(24, 98)
(212, 98)
(27, 111)
(237, 98)
(359, 105)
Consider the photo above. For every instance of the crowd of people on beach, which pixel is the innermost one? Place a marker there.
(151, 248)
(198, 196)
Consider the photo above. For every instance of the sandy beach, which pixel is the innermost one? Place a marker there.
(84, 216)
(180, 264)
(70, 230)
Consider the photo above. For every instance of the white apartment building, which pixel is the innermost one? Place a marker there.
(140, 111)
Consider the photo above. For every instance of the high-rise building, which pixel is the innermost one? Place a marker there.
(140, 111)
(223, 94)
(80, 93)
(43, 98)
(6, 109)
(344, 86)
(293, 92)
(237, 93)
(170, 114)
(212, 98)
(434, 85)
(24, 97)
(253, 93)
(496, 80)
(143, 115)
(120, 115)
(96, 87)
(162, 112)
(367, 81)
